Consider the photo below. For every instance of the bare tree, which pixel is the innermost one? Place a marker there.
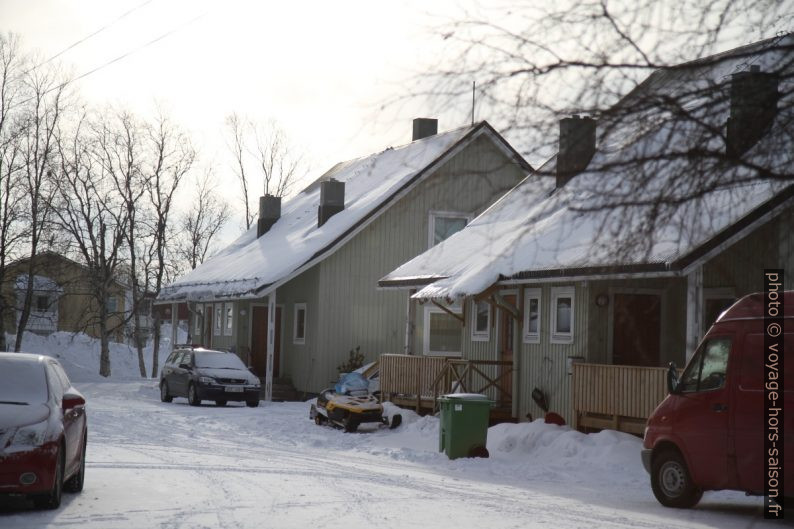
(40, 118)
(89, 208)
(639, 69)
(173, 159)
(11, 194)
(119, 152)
(237, 147)
(267, 149)
(202, 222)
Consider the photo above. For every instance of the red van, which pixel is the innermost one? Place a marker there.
(708, 433)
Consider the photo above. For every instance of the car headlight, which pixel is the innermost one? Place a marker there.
(30, 435)
(206, 380)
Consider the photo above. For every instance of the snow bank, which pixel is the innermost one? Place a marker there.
(79, 353)
(533, 450)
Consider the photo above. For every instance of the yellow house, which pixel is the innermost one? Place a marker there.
(62, 298)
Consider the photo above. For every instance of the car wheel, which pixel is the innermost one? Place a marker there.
(75, 483)
(52, 500)
(164, 395)
(252, 403)
(671, 482)
(192, 396)
(220, 403)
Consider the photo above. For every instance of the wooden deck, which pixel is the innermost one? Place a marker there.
(417, 381)
(615, 396)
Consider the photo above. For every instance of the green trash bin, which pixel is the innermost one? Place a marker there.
(464, 425)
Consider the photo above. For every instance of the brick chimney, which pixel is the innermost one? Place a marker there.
(269, 213)
(754, 96)
(577, 146)
(332, 200)
(424, 127)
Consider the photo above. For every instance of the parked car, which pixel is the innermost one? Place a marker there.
(43, 431)
(708, 433)
(203, 374)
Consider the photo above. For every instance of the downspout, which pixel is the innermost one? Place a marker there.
(517, 329)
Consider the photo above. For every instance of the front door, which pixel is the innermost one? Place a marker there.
(259, 341)
(506, 326)
(636, 331)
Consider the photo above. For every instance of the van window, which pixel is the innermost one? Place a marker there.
(708, 367)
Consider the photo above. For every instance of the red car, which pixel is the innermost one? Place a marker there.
(708, 433)
(43, 429)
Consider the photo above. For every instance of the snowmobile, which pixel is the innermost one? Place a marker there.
(348, 404)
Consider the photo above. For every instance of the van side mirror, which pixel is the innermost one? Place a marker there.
(672, 378)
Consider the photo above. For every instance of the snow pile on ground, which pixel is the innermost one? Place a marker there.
(533, 449)
(79, 353)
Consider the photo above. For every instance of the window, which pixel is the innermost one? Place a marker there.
(199, 319)
(706, 371)
(715, 301)
(443, 334)
(42, 304)
(480, 321)
(229, 325)
(299, 324)
(562, 299)
(532, 315)
(218, 324)
(445, 224)
(112, 304)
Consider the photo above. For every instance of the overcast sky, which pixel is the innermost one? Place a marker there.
(322, 69)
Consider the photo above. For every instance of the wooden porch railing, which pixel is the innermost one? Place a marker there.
(419, 380)
(616, 396)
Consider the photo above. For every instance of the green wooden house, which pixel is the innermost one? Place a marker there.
(296, 294)
(581, 303)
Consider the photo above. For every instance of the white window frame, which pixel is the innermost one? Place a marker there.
(431, 224)
(557, 293)
(217, 324)
(480, 336)
(299, 340)
(530, 294)
(198, 326)
(430, 308)
(228, 319)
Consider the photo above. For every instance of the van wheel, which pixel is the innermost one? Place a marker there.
(671, 482)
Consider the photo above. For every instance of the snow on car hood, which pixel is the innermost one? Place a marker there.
(227, 373)
(14, 415)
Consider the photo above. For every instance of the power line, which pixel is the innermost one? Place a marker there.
(97, 32)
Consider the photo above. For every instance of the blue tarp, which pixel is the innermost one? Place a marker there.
(351, 382)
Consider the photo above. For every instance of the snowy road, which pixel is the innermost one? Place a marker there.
(154, 465)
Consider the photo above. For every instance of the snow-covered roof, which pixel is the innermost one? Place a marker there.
(40, 284)
(569, 233)
(250, 267)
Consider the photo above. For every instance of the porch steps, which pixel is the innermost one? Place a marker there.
(283, 390)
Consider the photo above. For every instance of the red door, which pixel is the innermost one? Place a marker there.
(701, 416)
(506, 326)
(259, 341)
(637, 329)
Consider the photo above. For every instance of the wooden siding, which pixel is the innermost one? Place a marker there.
(306, 364)
(545, 365)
